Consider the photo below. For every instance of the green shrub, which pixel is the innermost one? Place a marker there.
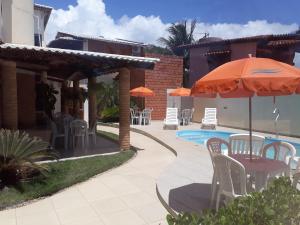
(110, 114)
(18, 156)
(278, 205)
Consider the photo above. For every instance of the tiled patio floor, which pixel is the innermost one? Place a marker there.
(185, 185)
(102, 146)
(125, 195)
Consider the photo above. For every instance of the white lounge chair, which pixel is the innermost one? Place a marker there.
(171, 118)
(210, 118)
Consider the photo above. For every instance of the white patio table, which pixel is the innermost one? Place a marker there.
(262, 168)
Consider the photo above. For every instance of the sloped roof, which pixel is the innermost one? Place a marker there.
(268, 38)
(63, 35)
(46, 9)
(79, 53)
(61, 63)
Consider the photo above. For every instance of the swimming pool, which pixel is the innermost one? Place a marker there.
(201, 136)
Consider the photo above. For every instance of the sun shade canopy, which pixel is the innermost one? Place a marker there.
(141, 92)
(181, 92)
(248, 77)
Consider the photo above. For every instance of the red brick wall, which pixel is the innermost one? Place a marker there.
(113, 48)
(166, 74)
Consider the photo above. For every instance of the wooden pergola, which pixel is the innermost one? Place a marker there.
(64, 65)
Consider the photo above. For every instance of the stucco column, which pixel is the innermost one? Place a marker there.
(9, 95)
(76, 101)
(124, 104)
(92, 100)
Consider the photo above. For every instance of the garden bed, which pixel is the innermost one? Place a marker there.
(63, 174)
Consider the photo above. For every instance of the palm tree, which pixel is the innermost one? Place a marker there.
(180, 34)
(107, 96)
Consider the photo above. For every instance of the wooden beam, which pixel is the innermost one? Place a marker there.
(31, 66)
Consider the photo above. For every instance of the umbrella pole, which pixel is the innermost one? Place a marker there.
(250, 126)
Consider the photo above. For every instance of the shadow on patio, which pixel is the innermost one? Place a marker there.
(103, 145)
(190, 198)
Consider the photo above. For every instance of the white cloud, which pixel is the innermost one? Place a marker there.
(90, 17)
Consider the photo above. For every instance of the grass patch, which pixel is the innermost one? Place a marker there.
(108, 135)
(64, 174)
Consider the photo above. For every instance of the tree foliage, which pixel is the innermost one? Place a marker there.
(180, 34)
(277, 205)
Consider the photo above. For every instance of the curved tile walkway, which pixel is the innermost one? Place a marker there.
(185, 184)
(125, 195)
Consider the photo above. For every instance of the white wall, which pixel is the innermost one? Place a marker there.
(234, 112)
(17, 20)
(179, 102)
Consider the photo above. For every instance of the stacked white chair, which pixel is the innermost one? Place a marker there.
(134, 118)
(79, 131)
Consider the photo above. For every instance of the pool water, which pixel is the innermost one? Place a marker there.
(201, 136)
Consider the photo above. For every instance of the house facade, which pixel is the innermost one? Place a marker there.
(210, 53)
(26, 69)
(167, 73)
(18, 25)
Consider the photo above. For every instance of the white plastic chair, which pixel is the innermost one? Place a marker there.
(192, 114)
(240, 144)
(171, 118)
(214, 146)
(55, 134)
(210, 118)
(134, 118)
(185, 116)
(231, 176)
(92, 132)
(146, 117)
(79, 131)
(296, 179)
(282, 151)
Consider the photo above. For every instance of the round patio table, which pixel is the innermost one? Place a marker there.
(262, 168)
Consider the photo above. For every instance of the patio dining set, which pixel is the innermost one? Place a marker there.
(236, 173)
(72, 130)
(140, 117)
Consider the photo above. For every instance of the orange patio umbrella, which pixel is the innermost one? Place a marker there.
(181, 92)
(249, 77)
(141, 92)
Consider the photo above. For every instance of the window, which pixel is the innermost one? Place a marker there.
(38, 40)
(136, 50)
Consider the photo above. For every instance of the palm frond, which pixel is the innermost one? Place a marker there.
(18, 149)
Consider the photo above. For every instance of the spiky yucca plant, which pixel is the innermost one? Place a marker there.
(19, 155)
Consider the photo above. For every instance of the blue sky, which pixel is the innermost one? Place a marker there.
(209, 11)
